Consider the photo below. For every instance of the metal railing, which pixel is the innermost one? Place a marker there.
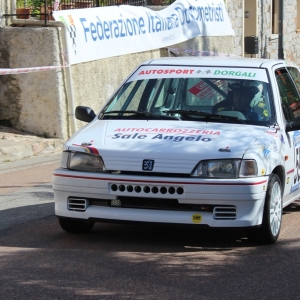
(42, 9)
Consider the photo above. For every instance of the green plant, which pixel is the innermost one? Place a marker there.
(23, 3)
(36, 6)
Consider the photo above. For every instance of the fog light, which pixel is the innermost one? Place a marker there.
(115, 202)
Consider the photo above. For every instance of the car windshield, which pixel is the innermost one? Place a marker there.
(198, 98)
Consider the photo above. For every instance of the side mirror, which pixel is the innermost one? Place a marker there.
(292, 126)
(84, 113)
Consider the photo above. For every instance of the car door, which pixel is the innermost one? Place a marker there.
(289, 92)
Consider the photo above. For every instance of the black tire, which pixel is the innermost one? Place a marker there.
(75, 225)
(269, 231)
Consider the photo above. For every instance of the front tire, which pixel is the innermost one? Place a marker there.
(75, 225)
(268, 233)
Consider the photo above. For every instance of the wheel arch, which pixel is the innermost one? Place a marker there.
(280, 172)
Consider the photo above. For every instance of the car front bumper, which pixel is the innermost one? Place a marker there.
(243, 198)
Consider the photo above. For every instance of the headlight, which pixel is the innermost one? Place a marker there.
(229, 168)
(80, 161)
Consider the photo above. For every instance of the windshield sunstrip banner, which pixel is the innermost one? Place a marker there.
(153, 72)
(96, 33)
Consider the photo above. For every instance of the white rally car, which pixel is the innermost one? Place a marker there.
(201, 141)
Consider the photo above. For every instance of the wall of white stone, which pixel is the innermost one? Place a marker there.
(38, 102)
(34, 101)
(235, 13)
(268, 42)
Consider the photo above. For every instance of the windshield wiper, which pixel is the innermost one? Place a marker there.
(185, 112)
(141, 113)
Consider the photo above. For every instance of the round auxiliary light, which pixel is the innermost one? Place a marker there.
(114, 187)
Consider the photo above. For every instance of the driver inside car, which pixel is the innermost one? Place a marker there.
(238, 99)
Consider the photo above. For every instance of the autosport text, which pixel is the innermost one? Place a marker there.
(152, 22)
(169, 130)
(167, 71)
(162, 137)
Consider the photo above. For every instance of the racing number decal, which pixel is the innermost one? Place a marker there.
(297, 165)
(296, 183)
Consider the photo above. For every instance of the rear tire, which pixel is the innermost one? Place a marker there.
(75, 225)
(268, 233)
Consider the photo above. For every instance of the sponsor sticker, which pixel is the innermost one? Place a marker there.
(196, 218)
(296, 138)
(155, 72)
(202, 90)
(169, 130)
(268, 148)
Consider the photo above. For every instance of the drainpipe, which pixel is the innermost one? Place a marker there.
(68, 72)
(280, 31)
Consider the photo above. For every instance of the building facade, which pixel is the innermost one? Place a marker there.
(260, 18)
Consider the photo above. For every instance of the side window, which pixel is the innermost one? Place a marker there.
(288, 94)
(294, 72)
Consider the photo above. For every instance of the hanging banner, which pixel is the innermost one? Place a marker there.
(95, 33)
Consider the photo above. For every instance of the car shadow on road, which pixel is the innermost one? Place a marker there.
(35, 226)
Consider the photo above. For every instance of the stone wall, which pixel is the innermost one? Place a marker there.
(5, 8)
(268, 42)
(235, 13)
(291, 38)
(33, 101)
(39, 103)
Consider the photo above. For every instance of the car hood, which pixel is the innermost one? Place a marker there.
(173, 146)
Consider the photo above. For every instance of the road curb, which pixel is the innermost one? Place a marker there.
(16, 145)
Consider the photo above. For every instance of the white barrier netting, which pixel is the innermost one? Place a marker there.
(189, 52)
(28, 70)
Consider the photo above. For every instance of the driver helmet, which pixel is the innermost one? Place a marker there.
(248, 92)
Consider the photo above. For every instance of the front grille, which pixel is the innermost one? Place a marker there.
(77, 204)
(155, 203)
(152, 203)
(225, 212)
(146, 189)
(151, 174)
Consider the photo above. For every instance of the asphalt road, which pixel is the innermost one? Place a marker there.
(40, 261)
